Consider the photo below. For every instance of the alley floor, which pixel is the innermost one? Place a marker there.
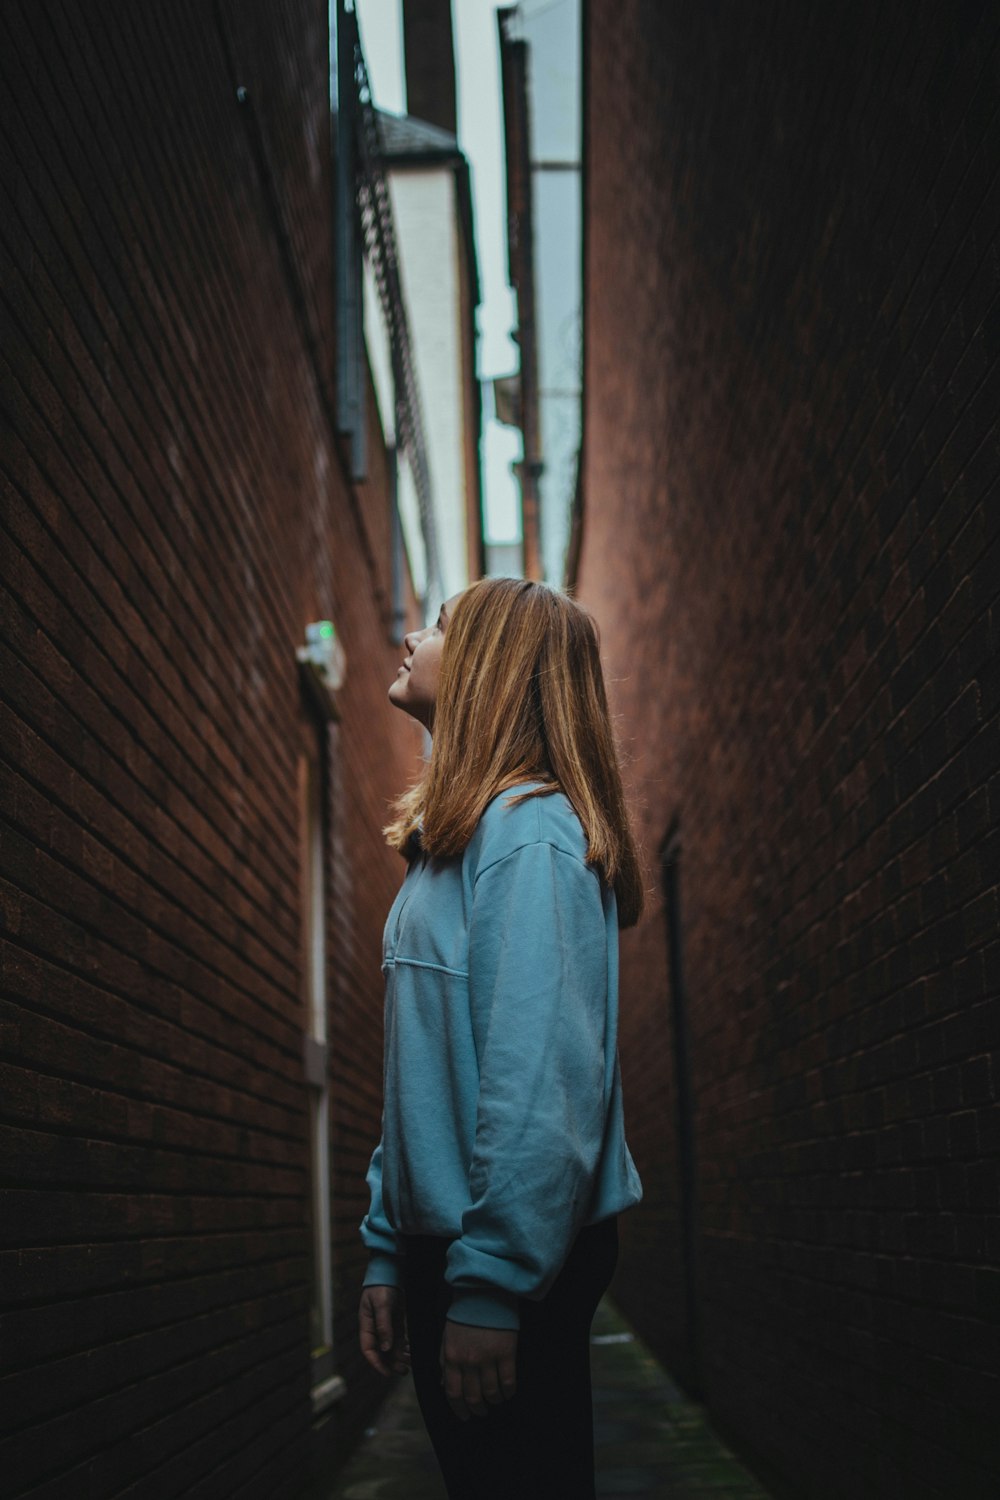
(651, 1441)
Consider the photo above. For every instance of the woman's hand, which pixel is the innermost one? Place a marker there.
(382, 1329)
(478, 1367)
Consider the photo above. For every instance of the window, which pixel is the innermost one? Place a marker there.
(326, 1386)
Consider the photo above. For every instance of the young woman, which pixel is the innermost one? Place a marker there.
(502, 1167)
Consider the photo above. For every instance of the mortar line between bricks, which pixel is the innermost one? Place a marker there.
(830, 247)
(65, 1074)
(224, 1275)
(147, 833)
(15, 1058)
(296, 296)
(829, 553)
(173, 945)
(194, 1357)
(884, 546)
(143, 1284)
(290, 1050)
(116, 489)
(185, 416)
(85, 1466)
(150, 839)
(107, 1036)
(204, 438)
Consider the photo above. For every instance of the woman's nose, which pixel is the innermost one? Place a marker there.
(412, 639)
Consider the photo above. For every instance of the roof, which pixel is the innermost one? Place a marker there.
(406, 136)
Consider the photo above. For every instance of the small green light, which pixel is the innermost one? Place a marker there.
(326, 628)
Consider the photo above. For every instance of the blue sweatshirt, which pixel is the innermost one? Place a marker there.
(502, 1125)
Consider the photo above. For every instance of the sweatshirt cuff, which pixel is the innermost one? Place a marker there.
(484, 1307)
(383, 1270)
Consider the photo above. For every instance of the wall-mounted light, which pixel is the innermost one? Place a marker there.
(323, 664)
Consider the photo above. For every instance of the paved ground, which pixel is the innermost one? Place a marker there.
(651, 1442)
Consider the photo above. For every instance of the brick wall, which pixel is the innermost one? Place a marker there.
(790, 539)
(175, 512)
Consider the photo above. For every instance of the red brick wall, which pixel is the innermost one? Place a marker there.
(175, 512)
(790, 540)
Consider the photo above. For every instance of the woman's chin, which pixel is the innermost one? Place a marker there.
(398, 699)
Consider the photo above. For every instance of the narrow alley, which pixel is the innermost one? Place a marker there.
(650, 1441)
(669, 329)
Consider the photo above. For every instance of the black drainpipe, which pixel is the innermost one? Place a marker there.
(670, 852)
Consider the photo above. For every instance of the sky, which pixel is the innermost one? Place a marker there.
(480, 136)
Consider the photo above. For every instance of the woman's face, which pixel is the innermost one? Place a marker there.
(414, 688)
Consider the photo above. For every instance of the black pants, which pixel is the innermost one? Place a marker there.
(539, 1445)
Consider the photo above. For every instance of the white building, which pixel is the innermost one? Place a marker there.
(428, 179)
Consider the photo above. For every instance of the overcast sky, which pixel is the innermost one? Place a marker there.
(479, 133)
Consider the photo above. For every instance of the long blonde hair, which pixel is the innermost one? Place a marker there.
(521, 697)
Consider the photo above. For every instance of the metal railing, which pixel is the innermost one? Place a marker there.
(382, 253)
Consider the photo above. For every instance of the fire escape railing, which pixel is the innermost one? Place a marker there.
(381, 250)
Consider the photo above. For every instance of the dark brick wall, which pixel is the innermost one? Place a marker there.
(175, 511)
(429, 53)
(790, 539)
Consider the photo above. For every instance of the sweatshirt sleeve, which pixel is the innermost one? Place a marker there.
(383, 1242)
(538, 978)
